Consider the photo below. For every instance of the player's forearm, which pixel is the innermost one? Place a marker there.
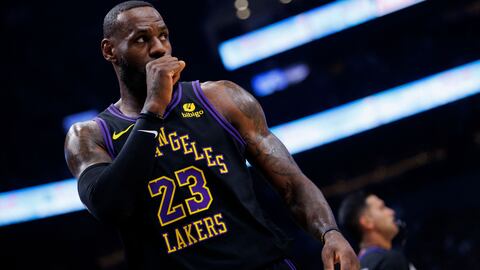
(311, 209)
(109, 190)
(304, 199)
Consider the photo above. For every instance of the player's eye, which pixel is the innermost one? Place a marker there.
(164, 36)
(141, 39)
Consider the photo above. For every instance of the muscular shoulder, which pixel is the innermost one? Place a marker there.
(236, 104)
(222, 86)
(88, 130)
(84, 146)
(224, 95)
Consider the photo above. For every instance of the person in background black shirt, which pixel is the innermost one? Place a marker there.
(369, 222)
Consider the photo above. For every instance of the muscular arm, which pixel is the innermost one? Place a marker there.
(266, 152)
(108, 188)
(84, 147)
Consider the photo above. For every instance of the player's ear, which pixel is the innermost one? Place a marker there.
(108, 50)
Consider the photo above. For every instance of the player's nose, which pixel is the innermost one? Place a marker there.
(157, 48)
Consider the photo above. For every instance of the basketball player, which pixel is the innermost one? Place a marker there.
(372, 224)
(166, 166)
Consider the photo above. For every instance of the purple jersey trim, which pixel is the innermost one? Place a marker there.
(116, 112)
(369, 250)
(106, 136)
(290, 264)
(177, 96)
(224, 123)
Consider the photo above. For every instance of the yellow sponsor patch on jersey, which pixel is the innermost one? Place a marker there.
(189, 107)
(189, 111)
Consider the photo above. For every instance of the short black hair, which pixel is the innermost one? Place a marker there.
(110, 22)
(349, 214)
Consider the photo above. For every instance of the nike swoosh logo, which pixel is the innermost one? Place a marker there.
(155, 133)
(117, 135)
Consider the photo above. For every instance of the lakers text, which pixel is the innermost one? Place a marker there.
(195, 232)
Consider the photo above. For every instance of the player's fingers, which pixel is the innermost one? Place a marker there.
(176, 75)
(167, 58)
(173, 67)
(328, 259)
(181, 65)
(176, 67)
(347, 263)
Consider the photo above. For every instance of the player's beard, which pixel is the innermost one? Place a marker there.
(134, 78)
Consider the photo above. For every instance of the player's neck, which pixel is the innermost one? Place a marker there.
(375, 239)
(130, 104)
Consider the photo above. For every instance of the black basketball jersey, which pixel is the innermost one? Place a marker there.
(197, 210)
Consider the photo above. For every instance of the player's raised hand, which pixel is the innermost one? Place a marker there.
(162, 74)
(338, 250)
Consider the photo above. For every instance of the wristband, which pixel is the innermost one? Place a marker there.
(322, 238)
(151, 116)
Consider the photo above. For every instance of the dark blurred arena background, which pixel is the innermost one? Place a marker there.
(426, 166)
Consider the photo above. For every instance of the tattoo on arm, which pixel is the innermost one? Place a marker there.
(263, 146)
(268, 153)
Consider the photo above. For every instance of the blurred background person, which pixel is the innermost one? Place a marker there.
(372, 224)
